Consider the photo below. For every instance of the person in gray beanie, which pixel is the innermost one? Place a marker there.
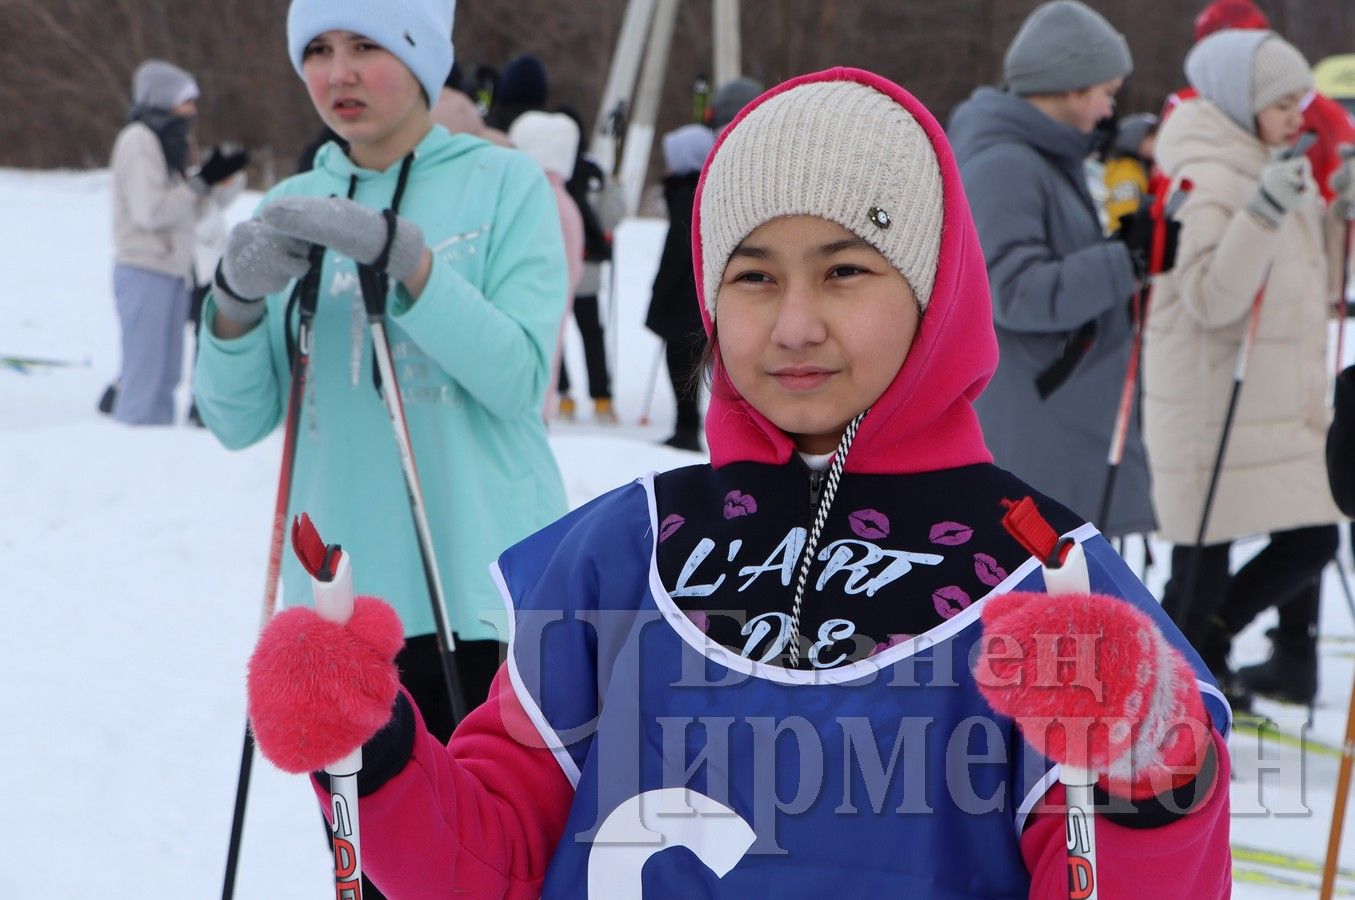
(1060, 290)
(730, 98)
(159, 197)
(1064, 46)
(1254, 230)
(467, 235)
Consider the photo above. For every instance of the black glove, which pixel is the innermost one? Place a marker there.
(1136, 231)
(223, 162)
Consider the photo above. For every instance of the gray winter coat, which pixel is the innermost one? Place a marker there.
(1051, 272)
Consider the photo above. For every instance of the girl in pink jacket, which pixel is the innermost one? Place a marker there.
(821, 662)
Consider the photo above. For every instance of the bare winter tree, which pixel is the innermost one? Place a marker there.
(68, 63)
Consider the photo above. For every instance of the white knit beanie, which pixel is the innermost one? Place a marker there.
(416, 32)
(552, 139)
(838, 150)
(1278, 70)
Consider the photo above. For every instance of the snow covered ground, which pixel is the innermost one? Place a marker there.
(131, 569)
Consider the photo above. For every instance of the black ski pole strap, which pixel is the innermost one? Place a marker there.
(375, 286)
(1075, 345)
(402, 181)
(310, 282)
(375, 289)
(372, 279)
(383, 258)
(302, 303)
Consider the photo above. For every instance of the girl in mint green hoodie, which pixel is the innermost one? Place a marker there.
(477, 268)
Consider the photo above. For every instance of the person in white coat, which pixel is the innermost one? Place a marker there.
(1253, 230)
(158, 200)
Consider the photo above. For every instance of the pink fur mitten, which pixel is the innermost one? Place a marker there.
(1092, 683)
(319, 690)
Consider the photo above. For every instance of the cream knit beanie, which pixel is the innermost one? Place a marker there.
(838, 150)
(1278, 69)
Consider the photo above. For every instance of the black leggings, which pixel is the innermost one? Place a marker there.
(421, 674)
(594, 351)
(1286, 574)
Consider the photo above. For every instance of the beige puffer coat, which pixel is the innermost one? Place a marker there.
(1274, 474)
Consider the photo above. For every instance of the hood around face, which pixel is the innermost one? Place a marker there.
(436, 147)
(1198, 131)
(925, 419)
(993, 116)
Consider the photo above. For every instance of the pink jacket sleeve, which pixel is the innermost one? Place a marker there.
(1187, 858)
(571, 226)
(477, 818)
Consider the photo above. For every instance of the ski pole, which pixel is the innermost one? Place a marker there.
(1063, 563)
(306, 294)
(1163, 209)
(1069, 575)
(1338, 812)
(1344, 578)
(653, 384)
(1239, 375)
(607, 283)
(375, 286)
(22, 364)
(332, 586)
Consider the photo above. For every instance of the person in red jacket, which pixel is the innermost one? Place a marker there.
(680, 715)
(1323, 116)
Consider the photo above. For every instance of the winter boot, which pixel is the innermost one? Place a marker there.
(567, 408)
(1213, 640)
(1290, 675)
(108, 398)
(685, 439)
(603, 413)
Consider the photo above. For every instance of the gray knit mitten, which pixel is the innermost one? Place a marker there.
(349, 229)
(259, 260)
(1284, 184)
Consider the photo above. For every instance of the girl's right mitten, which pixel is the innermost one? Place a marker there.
(319, 690)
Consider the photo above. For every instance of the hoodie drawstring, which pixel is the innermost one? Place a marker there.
(812, 541)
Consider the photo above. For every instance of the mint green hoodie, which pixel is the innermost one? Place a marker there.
(472, 356)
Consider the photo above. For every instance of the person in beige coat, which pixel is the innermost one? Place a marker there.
(158, 199)
(1254, 223)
